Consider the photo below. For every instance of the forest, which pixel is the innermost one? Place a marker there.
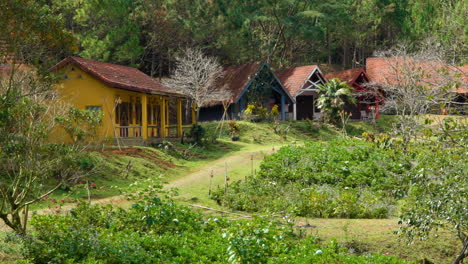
(149, 34)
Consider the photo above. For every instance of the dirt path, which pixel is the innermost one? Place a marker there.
(198, 178)
(218, 167)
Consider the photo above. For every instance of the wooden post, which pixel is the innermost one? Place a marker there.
(163, 117)
(295, 110)
(211, 181)
(283, 106)
(144, 116)
(179, 117)
(225, 178)
(252, 167)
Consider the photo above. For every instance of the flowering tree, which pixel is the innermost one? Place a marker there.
(196, 76)
(416, 83)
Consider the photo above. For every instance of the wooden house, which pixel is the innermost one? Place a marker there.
(251, 83)
(301, 83)
(368, 103)
(136, 108)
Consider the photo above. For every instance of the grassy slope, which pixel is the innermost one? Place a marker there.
(192, 177)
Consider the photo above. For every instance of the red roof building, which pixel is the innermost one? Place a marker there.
(117, 76)
(368, 105)
(302, 83)
(242, 81)
(390, 71)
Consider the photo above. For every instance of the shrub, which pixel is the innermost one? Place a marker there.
(346, 178)
(158, 231)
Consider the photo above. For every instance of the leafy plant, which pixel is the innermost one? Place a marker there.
(233, 129)
(332, 98)
(80, 125)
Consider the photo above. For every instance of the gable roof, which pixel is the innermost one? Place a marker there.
(350, 76)
(294, 79)
(236, 77)
(117, 76)
(384, 70)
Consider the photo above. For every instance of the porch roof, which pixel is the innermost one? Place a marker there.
(118, 76)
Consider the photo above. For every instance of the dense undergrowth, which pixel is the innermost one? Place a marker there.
(156, 230)
(342, 178)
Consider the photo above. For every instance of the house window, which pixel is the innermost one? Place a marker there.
(93, 108)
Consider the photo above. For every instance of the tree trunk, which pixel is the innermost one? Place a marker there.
(14, 223)
(463, 254)
(197, 114)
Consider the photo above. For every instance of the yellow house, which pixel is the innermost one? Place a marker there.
(134, 105)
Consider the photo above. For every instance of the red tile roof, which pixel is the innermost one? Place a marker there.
(294, 79)
(349, 76)
(117, 76)
(385, 70)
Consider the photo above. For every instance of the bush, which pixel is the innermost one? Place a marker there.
(346, 178)
(158, 231)
(154, 230)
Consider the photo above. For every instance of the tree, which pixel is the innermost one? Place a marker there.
(30, 166)
(106, 29)
(197, 76)
(332, 98)
(437, 197)
(417, 82)
(28, 27)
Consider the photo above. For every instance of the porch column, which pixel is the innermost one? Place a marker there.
(162, 129)
(283, 105)
(179, 117)
(295, 110)
(144, 116)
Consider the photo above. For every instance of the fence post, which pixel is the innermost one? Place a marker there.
(225, 178)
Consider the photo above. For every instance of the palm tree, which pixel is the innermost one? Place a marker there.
(332, 98)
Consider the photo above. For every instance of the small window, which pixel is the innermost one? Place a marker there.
(93, 108)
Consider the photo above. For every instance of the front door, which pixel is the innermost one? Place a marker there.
(305, 107)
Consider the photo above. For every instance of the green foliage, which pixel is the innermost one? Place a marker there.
(233, 129)
(30, 166)
(80, 125)
(256, 241)
(197, 132)
(343, 178)
(155, 230)
(33, 34)
(332, 98)
(437, 196)
(256, 113)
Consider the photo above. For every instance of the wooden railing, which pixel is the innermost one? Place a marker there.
(172, 131)
(154, 131)
(128, 131)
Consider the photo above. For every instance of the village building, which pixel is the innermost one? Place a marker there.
(390, 71)
(251, 83)
(302, 83)
(136, 108)
(368, 100)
